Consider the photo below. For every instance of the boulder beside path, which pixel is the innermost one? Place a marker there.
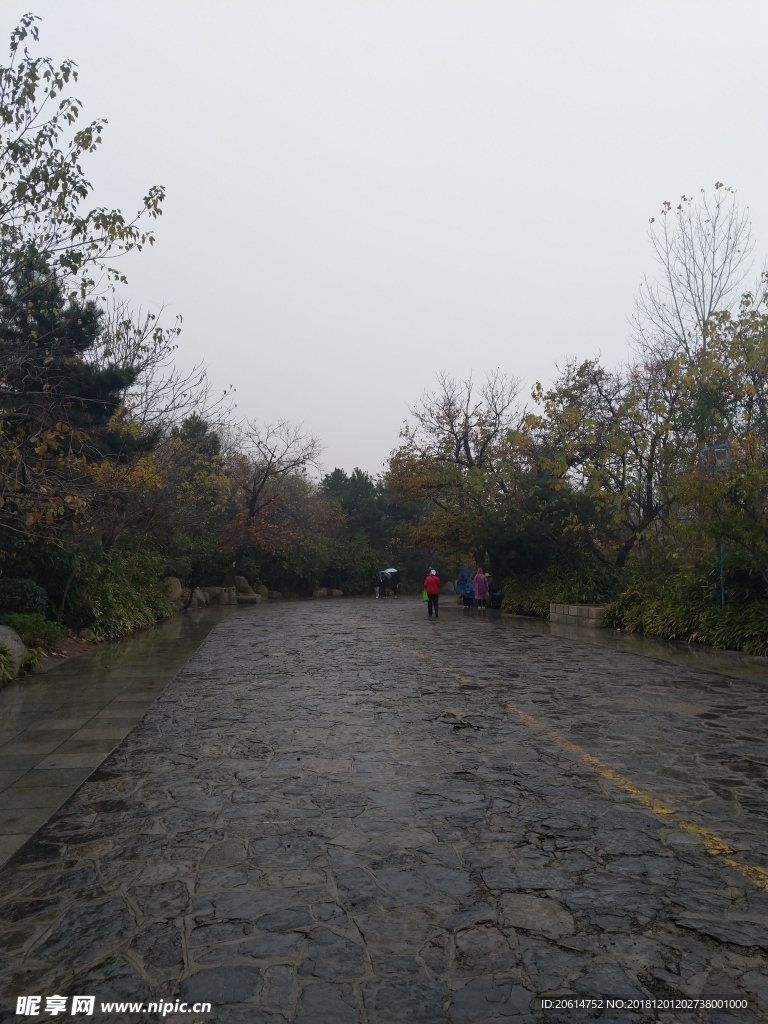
(11, 640)
(245, 593)
(174, 591)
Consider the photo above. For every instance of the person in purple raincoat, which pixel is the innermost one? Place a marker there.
(480, 588)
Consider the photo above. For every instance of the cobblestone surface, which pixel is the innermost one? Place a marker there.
(318, 823)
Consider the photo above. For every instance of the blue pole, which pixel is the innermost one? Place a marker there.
(722, 573)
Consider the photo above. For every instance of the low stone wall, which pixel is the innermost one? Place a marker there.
(577, 614)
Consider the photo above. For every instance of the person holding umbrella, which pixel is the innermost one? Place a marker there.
(432, 587)
(388, 578)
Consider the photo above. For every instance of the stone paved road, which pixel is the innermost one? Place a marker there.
(341, 812)
(55, 728)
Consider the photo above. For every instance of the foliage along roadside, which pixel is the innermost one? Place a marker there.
(115, 468)
(686, 607)
(621, 484)
(34, 630)
(678, 606)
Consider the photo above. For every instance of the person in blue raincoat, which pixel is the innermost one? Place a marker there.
(464, 587)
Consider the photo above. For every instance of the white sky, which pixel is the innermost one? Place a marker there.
(363, 193)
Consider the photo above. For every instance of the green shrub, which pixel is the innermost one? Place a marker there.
(34, 630)
(685, 606)
(21, 596)
(6, 665)
(116, 594)
(317, 562)
(350, 565)
(532, 595)
(34, 656)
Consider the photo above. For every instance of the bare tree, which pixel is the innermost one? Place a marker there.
(268, 455)
(703, 249)
(161, 393)
(460, 423)
(451, 462)
(151, 420)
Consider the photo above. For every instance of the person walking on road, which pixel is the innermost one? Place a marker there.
(388, 578)
(480, 588)
(432, 587)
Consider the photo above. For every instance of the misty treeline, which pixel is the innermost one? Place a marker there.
(643, 486)
(117, 469)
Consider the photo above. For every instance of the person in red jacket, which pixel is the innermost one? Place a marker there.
(432, 587)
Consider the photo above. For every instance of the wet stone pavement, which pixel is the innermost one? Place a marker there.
(342, 812)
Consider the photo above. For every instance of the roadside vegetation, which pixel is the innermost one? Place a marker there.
(116, 468)
(644, 487)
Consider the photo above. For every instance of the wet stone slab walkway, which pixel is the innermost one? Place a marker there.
(341, 812)
(57, 727)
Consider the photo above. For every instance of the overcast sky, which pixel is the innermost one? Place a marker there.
(363, 193)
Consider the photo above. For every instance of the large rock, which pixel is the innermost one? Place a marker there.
(174, 591)
(245, 594)
(275, 595)
(263, 591)
(172, 587)
(448, 587)
(336, 593)
(216, 595)
(320, 592)
(198, 598)
(10, 639)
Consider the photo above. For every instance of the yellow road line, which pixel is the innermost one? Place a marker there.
(717, 847)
